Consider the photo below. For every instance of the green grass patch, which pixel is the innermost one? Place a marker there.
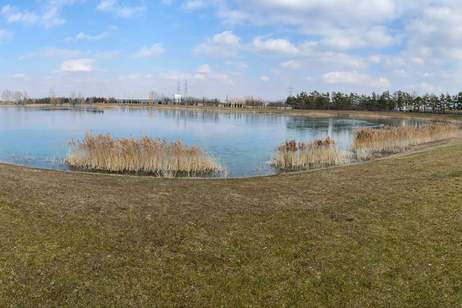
(455, 174)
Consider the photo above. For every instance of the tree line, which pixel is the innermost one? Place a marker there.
(111, 100)
(386, 101)
(21, 98)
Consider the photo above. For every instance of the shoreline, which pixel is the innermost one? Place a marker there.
(455, 118)
(304, 113)
(413, 150)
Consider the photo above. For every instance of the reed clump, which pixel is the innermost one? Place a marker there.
(370, 142)
(141, 156)
(292, 155)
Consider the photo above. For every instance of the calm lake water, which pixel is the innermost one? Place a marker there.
(242, 142)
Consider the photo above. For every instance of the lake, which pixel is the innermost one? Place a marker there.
(243, 142)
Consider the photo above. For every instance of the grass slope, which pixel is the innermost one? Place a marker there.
(380, 234)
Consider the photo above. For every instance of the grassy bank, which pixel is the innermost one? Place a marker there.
(380, 234)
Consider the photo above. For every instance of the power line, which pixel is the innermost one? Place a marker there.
(185, 88)
(178, 87)
(291, 91)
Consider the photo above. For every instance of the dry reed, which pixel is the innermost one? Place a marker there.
(141, 156)
(294, 155)
(369, 142)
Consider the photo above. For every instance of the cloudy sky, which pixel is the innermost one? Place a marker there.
(126, 48)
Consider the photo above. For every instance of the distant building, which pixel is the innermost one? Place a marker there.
(178, 98)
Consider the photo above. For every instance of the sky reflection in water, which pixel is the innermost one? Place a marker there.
(242, 142)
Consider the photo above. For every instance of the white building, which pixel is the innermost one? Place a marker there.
(178, 98)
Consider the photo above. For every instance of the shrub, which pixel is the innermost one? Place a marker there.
(141, 156)
(371, 141)
(293, 155)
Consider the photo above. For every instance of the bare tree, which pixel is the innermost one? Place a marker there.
(17, 97)
(53, 99)
(80, 99)
(6, 95)
(152, 96)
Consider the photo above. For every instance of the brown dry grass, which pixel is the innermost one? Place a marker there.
(142, 156)
(371, 141)
(294, 155)
(381, 234)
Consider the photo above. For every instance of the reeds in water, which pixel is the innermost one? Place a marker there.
(369, 142)
(294, 155)
(140, 156)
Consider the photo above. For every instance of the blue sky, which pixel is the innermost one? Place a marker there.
(127, 48)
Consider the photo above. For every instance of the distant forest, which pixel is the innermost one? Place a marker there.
(386, 101)
(397, 101)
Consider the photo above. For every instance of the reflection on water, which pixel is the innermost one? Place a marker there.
(241, 141)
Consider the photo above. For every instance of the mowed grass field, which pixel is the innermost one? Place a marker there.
(387, 233)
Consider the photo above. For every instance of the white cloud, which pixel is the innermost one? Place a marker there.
(119, 10)
(435, 35)
(357, 41)
(194, 4)
(65, 54)
(175, 76)
(49, 16)
(13, 14)
(203, 73)
(231, 16)
(77, 65)
(424, 87)
(400, 39)
(291, 64)
(224, 44)
(81, 36)
(265, 78)
(19, 76)
(134, 76)
(227, 38)
(360, 20)
(308, 54)
(278, 46)
(375, 37)
(362, 9)
(53, 53)
(306, 14)
(375, 59)
(149, 52)
(356, 79)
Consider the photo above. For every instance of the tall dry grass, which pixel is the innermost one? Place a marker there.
(141, 156)
(369, 142)
(294, 155)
